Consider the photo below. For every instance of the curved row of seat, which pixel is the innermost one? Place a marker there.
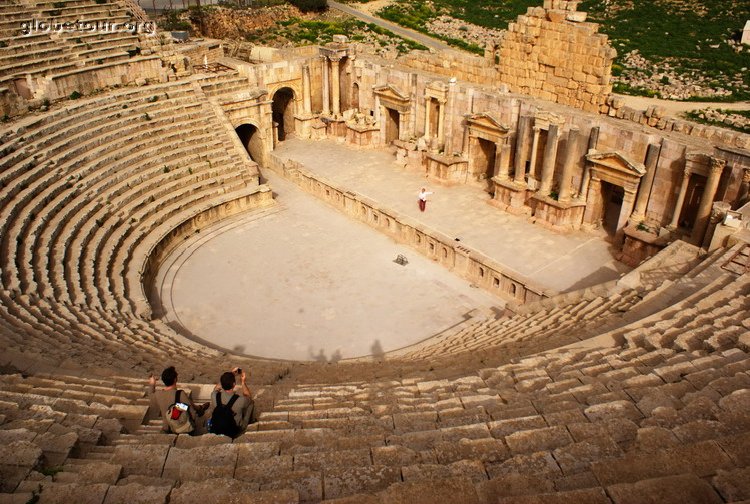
(30, 48)
(88, 190)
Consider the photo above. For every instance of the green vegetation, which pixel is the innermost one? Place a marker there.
(310, 5)
(696, 39)
(700, 117)
(171, 20)
(321, 32)
(691, 37)
(416, 15)
(75, 95)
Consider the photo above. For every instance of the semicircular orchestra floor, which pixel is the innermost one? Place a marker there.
(301, 281)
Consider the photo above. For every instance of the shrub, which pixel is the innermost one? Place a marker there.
(75, 95)
(310, 5)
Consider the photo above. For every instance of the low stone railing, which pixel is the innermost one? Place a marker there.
(450, 253)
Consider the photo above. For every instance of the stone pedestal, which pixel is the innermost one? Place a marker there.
(639, 245)
(446, 168)
(318, 130)
(336, 127)
(303, 124)
(558, 215)
(362, 135)
(510, 196)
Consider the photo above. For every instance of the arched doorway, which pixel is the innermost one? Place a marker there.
(251, 139)
(283, 112)
(355, 96)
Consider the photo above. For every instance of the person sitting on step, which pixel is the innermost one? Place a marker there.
(230, 412)
(171, 398)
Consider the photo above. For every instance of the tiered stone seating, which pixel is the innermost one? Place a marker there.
(576, 315)
(46, 53)
(226, 87)
(87, 194)
(598, 424)
(47, 421)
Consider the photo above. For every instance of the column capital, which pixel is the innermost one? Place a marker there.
(717, 165)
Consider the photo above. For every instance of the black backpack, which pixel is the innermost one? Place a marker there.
(222, 419)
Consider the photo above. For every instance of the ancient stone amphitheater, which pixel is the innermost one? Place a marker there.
(119, 145)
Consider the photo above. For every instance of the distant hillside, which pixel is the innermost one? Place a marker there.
(679, 49)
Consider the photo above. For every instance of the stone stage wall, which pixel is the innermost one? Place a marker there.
(458, 258)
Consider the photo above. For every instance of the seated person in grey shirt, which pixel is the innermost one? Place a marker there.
(241, 406)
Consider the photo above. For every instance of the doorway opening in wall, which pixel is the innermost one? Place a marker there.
(485, 161)
(434, 117)
(250, 138)
(612, 196)
(696, 185)
(355, 96)
(392, 122)
(283, 112)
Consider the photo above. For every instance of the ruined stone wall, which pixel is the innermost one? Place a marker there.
(629, 137)
(553, 54)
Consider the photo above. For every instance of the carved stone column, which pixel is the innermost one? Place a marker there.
(441, 123)
(326, 95)
(548, 162)
(306, 99)
(585, 179)
(335, 85)
(522, 141)
(704, 208)
(447, 133)
(427, 106)
(571, 152)
(647, 182)
(534, 149)
(680, 200)
(502, 161)
(744, 193)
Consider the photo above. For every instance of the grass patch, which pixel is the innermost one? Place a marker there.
(416, 16)
(322, 32)
(691, 37)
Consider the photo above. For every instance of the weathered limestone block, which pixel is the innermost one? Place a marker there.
(669, 490)
(20, 453)
(137, 494)
(734, 486)
(472, 469)
(701, 459)
(339, 482)
(611, 410)
(487, 450)
(53, 493)
(264, 470)
(308, 484)
(146, 460)
(454, 489)
(229, 490)
(539, 463)
(653, 439)
(318, 460)
(510, 485)
(576, 458)
(538, 440)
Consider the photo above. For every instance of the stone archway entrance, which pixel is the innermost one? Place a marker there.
(283, 111)
(610, 196)
(392, 128)
(250, 137)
